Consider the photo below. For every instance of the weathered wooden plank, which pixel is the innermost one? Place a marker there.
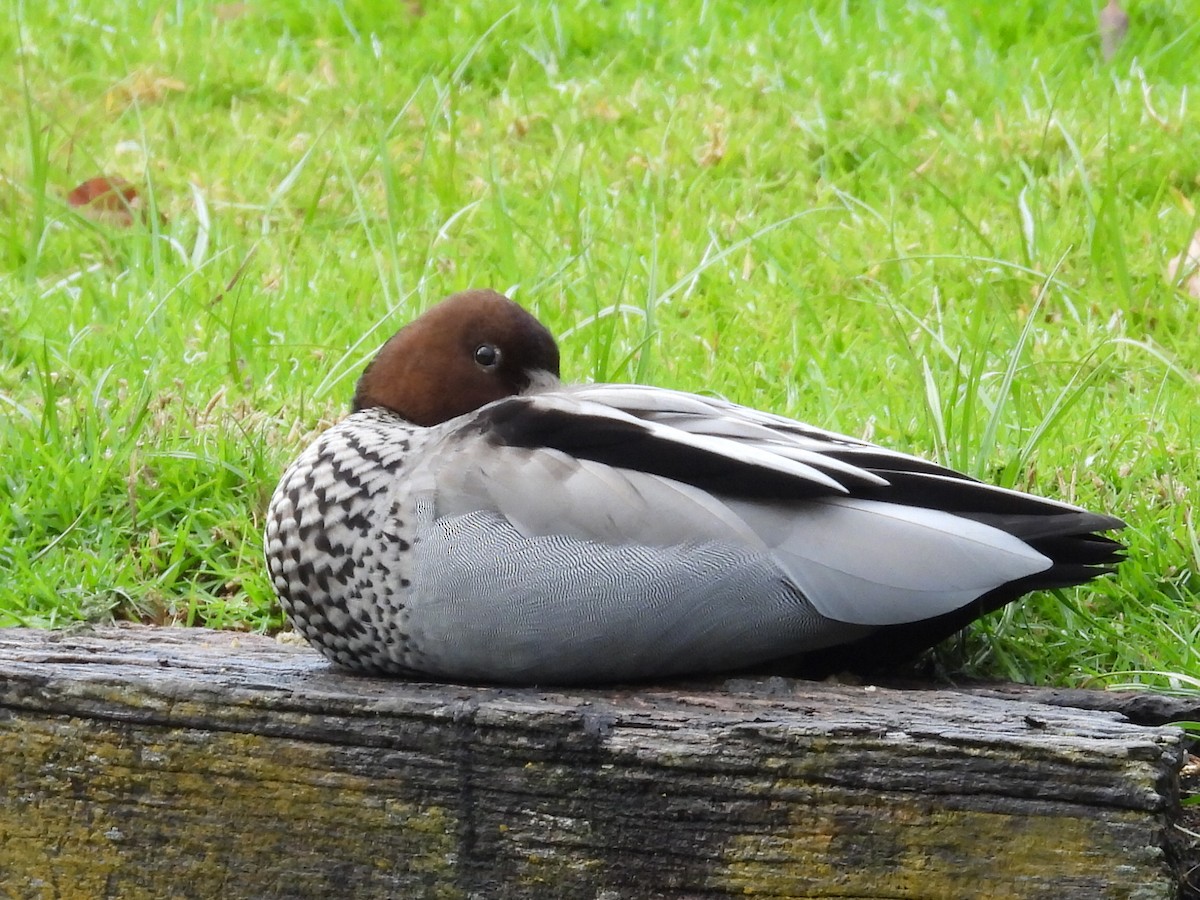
(157, 762)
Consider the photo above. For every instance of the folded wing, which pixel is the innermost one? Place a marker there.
(868, 536)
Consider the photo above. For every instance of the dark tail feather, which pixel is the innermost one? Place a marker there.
(1084, 550)
(1070, 527)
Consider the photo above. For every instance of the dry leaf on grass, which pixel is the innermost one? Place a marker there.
(1186, 266)
(143, 87)
(227, 12)
(1114, 25)
(108, 199)
(714, 151)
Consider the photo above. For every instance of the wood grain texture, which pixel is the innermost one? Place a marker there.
(139, 762)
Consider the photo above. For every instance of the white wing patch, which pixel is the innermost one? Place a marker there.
(748, 452)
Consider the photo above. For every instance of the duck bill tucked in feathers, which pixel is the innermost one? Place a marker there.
(473, 519)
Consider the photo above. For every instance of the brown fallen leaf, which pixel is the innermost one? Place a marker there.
(1114, 25)
(1184, 270)
(143, 87)
(714, 151)
(227, 12)
(604, 110)
(109, 199)
(522, 125)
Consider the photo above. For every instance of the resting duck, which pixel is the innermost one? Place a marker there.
(474, 519)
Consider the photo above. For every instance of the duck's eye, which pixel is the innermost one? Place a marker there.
(487, 356)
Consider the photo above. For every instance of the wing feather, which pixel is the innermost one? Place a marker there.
(547, 492)
(868, 536)
(870, 563)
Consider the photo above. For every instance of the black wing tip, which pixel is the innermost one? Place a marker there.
(1082, 544)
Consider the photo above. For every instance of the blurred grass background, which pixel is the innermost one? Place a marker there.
(944, 227)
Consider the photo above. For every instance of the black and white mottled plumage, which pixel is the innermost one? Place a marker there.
(474, 519)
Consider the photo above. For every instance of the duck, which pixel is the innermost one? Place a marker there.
(474, 519)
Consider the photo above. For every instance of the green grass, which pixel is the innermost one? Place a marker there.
(941, 226)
